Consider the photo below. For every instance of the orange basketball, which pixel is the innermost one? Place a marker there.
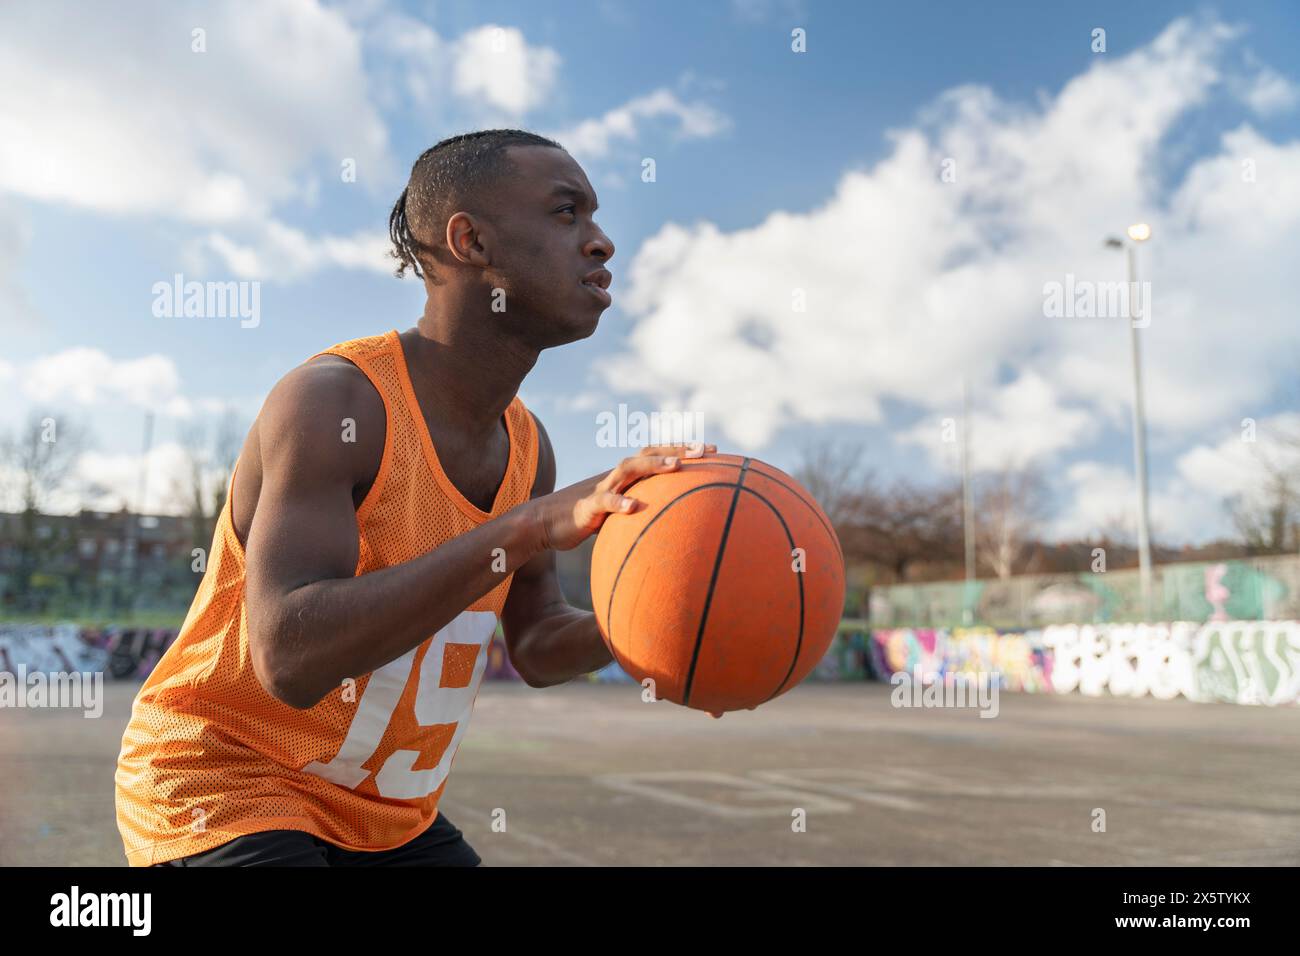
(726, 590)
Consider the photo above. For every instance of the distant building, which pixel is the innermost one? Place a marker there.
(95, 558)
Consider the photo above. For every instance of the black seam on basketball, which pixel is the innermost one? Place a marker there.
(794, 491)
(798, 641)
(613, 588)
(811, 504)
(708, 597)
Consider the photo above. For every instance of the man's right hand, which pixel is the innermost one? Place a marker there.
(569, 516)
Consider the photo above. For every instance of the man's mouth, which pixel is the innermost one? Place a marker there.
(597, 283)
(599, 293)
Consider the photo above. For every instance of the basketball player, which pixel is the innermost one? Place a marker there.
(391, 502)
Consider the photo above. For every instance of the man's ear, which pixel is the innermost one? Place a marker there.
(466, 240)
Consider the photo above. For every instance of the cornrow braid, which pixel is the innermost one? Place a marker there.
(448, 176)
(399, 232)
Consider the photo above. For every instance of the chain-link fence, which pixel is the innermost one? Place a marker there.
(1255, 589)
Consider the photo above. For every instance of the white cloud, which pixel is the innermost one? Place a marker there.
(91, 378)
(1248, 194)
(282, 253)
(100, 395)
(1019, 424)
(594, 138)
(88, 380)
(1099, 498)
(1269, 92)
(224, 137)
(1102, 500)
(497, 65)
(412, 59)
(1240, 463)
(912, 283)
(15, 237)
(117, 113)
(106, 482)
(1192, 504)
(491, 69)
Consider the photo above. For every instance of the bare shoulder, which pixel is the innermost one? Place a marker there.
(325, 410)
(323, 424)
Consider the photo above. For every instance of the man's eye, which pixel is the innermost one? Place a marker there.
(571, 209)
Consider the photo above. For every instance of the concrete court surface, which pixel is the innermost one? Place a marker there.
(591, 775)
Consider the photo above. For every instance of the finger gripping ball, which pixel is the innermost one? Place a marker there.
(726, 589)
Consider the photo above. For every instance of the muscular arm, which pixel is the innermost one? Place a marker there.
(311, 622)
(549, 641)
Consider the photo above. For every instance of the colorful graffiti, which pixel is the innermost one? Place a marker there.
(848, 658)
(61, 648)
(1126, 660)
(1242, 662)
(1247, 663)
(905, 650)
(1237, 661)
(1019, 660)
(126, 653)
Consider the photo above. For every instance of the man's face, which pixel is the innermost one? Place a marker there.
(547, 252)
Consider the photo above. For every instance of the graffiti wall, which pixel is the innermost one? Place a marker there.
(1017, 661)
(848, 657)
(1242, 662)
(1125, 660)
(131, 653)
(1247, 663)
(60, 648)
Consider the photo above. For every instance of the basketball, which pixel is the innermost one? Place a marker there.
(725, 590)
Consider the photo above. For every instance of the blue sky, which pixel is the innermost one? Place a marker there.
(132, 157)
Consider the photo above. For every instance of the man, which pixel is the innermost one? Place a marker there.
(392, 500)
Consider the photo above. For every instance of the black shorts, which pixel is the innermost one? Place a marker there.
(442, 844)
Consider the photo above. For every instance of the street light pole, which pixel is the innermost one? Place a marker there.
(1138, 232)
(967, 506)
(1139, 438)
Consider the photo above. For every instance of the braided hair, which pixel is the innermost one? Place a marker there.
(442, 179)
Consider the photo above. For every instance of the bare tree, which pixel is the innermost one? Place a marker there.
(833, 474)
(1009, 510)
(210, 454)
(1268, 521)
(907, 524)
(1267, 518)
(39, 458)
(227, 440)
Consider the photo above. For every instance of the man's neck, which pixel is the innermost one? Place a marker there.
(475, 371)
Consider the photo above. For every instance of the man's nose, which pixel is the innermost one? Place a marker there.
(599, 245)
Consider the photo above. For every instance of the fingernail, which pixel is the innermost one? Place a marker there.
(625, 504)
(670, 461)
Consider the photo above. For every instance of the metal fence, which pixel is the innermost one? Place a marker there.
(1255, 589)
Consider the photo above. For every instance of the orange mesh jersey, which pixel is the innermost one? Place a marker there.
(209, 755)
